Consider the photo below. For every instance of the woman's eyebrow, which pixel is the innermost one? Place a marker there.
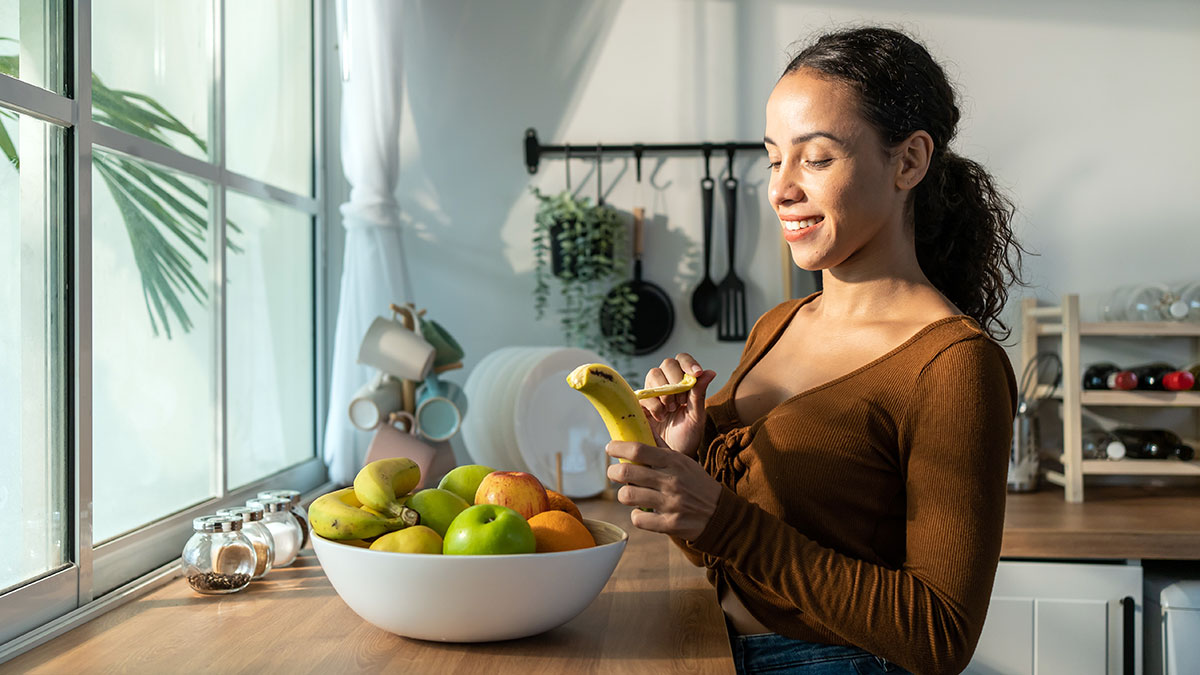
(804, 138)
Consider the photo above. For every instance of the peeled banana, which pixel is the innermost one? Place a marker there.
(383, 484)
(615, 400)
(339, 515)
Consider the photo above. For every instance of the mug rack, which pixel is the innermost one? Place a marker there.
(535, 149)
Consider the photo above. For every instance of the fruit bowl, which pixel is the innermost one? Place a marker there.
(471, 598)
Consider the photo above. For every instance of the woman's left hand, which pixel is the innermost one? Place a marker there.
(682, 496)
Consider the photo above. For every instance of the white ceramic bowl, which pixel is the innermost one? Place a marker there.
(461, 598)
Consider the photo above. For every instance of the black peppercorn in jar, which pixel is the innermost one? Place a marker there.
(218, 558)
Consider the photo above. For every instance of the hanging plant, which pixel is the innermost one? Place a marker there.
(574, 245)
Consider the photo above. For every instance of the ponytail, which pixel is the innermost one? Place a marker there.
(961, 224)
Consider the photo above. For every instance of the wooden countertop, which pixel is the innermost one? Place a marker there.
(656, 614)
(1114, 522)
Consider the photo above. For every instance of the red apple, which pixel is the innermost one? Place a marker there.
(522, 492)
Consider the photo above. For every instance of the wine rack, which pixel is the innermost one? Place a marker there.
(1062, 322)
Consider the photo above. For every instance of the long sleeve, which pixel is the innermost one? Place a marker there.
(926, 615)
(764, 325)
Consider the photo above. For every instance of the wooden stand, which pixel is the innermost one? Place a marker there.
(1062, 322)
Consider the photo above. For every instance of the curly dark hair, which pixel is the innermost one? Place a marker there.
(962, 221)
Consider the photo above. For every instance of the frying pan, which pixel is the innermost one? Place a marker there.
(653, 315)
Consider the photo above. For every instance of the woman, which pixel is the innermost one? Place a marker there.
(845, 489)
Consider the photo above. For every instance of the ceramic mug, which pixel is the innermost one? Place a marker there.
(395, 350)
(440, 409)
(433, 459)
(372, 403)
(447, 348)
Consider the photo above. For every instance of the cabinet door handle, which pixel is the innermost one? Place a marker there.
(1128, 605)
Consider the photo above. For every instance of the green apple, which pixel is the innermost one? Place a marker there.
(489, 529)
(415, 539)
(464, 480)
(437, 508)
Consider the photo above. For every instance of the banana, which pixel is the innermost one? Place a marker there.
(338, 515)
(382, 484)
(615, 400)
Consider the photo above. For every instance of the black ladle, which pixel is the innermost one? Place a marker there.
(706, 302)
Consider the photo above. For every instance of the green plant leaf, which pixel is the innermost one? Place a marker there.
(154, 209)
(10, 65)
(8, 147)
(163, 270)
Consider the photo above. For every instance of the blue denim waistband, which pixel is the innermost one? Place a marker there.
(773, 653)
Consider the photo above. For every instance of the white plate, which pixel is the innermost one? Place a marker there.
(478, 438)
(512, 375)
(550, 417)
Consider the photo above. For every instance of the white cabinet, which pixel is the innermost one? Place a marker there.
(1049, 618)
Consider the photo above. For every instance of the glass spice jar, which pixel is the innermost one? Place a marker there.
(284, 527)
(218, 558)
(296, 509)
(260, 537)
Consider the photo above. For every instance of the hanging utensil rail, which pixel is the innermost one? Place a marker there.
(534, 149)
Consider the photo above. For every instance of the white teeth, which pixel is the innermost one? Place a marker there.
(800, 224)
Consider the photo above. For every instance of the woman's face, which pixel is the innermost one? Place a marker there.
(833, 183)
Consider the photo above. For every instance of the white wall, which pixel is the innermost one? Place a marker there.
(1086, 111)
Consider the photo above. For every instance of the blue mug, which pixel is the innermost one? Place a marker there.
(440, 408)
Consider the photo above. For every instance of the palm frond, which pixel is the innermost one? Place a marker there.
(164, 271)
(7, 146)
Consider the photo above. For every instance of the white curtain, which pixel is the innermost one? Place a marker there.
(373, 273)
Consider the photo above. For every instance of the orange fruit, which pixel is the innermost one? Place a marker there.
(559, 531)
(559, 502)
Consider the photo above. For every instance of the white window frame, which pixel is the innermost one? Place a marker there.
(98, 578)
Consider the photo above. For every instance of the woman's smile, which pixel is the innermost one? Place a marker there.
(795, 228)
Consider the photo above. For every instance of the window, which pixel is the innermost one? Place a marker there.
(160, 228)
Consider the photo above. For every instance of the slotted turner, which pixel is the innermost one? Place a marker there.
(731, 324)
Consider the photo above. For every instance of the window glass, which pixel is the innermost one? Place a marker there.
(152, 70)
(270, 333)
(268, 92)
(153, 369)
(32, 441)
(31, 42)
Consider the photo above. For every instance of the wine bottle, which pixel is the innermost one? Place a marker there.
(1108, 376)
(1153, 444)
(1100, 444)
(1160, 376)
(1179, 380)
(1194, 369)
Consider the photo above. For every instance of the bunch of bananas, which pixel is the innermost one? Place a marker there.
(374, 506)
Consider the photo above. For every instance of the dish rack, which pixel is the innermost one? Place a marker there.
(1062, 322)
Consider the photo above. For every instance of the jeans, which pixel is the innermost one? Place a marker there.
(773, 653)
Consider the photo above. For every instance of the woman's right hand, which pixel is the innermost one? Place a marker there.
(678, 419)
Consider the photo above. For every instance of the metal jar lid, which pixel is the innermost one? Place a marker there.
(248, 514)
(270, 504)
(217, 524)
(292, 495)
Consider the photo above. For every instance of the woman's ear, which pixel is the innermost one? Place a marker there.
(913, 154)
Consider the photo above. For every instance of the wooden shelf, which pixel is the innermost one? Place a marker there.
(1063, 325)
(1141, 328)
(1127, 329)
(1140, 467)
(1098, 397)
(1141, 398)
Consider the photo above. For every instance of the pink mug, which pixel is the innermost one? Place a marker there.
(390, 440)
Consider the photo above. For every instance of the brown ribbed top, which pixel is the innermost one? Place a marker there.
(867, 510)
